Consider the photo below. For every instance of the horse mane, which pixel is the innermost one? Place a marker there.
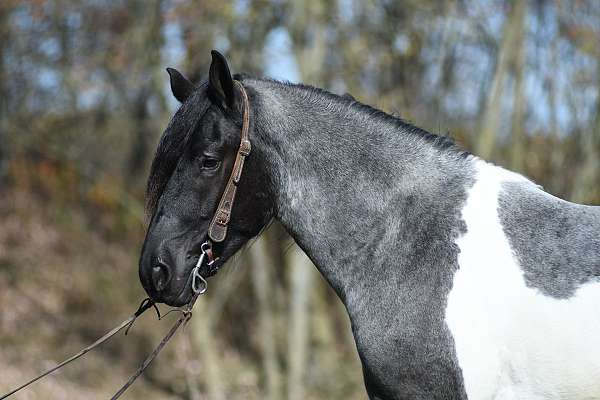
(440, 142)
(311, 93)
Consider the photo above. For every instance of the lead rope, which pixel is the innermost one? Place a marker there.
(145, 305)
(217, 232)
(199, 286)
(184, 318)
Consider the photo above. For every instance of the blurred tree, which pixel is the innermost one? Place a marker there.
(301, 281)
(5, 9)
(206, 347)
(513, 26)
(307, 26)
(147, 96)
(263, 267)
(84, 96)
(518, 145)
(587, 186)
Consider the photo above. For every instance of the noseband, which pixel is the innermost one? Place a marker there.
(217, 230)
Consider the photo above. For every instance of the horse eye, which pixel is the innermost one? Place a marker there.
(209, 164)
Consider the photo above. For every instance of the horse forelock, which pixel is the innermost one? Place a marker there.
(172, 145)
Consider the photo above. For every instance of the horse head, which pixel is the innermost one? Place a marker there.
(190, 171)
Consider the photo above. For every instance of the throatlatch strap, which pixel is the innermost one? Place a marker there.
(217, 230)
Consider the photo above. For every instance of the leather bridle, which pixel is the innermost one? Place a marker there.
(217, 229)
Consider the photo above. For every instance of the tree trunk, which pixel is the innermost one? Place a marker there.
(301, 281)
(587, 184)
(209, 310)
(150, 87)
(493, 109)
(140, 145)
(518, 145)
(4, 40)
(190, 368)
(310, 54)
(557, 157)
(206, 348)
(262, 265)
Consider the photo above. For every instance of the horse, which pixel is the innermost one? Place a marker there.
(462, 280)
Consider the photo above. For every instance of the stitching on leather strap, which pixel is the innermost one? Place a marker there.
(217, 230)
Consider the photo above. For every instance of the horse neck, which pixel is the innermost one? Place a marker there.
(348, 185)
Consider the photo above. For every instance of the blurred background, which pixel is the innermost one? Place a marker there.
(84, 98)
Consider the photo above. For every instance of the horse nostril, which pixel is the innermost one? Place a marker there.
(160, 276)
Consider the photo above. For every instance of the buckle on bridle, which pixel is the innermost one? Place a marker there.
(245, 147)
(222, 217)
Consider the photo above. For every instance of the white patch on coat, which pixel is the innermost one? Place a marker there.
(513, 342)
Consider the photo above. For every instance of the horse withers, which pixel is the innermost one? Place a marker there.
(461, 279)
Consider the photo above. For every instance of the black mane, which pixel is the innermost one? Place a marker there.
(441, 142)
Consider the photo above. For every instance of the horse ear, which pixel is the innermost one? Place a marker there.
(181, 87)
(220, 82)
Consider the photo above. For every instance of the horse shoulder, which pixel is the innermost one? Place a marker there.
(523, 309)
